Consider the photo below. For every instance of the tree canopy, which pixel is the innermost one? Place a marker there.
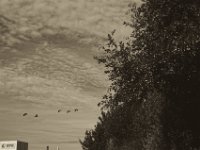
(153, 100)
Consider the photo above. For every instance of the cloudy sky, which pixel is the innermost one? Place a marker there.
(46, 64)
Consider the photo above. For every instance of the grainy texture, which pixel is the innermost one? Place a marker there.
(46, 64)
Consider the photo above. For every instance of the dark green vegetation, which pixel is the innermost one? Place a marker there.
(153, 100)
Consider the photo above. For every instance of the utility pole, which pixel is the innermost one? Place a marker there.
(57, 148)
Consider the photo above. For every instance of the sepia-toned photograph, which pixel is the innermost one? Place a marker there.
(99, 75)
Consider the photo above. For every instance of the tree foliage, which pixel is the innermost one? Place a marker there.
(153, 100)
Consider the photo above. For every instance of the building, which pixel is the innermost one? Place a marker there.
(13, 145)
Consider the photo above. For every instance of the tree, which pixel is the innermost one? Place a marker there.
(96, 139)
(154, 94)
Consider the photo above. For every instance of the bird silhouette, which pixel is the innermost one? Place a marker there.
(59, 110)
(25, 114)
(36, 115)
(76, 109)
(68, 111)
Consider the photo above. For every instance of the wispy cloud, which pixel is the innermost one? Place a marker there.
(93, 16)
(52, 66)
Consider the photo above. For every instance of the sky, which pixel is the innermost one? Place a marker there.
(46, 64)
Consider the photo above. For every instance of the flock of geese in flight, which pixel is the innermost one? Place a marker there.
(59, 110)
